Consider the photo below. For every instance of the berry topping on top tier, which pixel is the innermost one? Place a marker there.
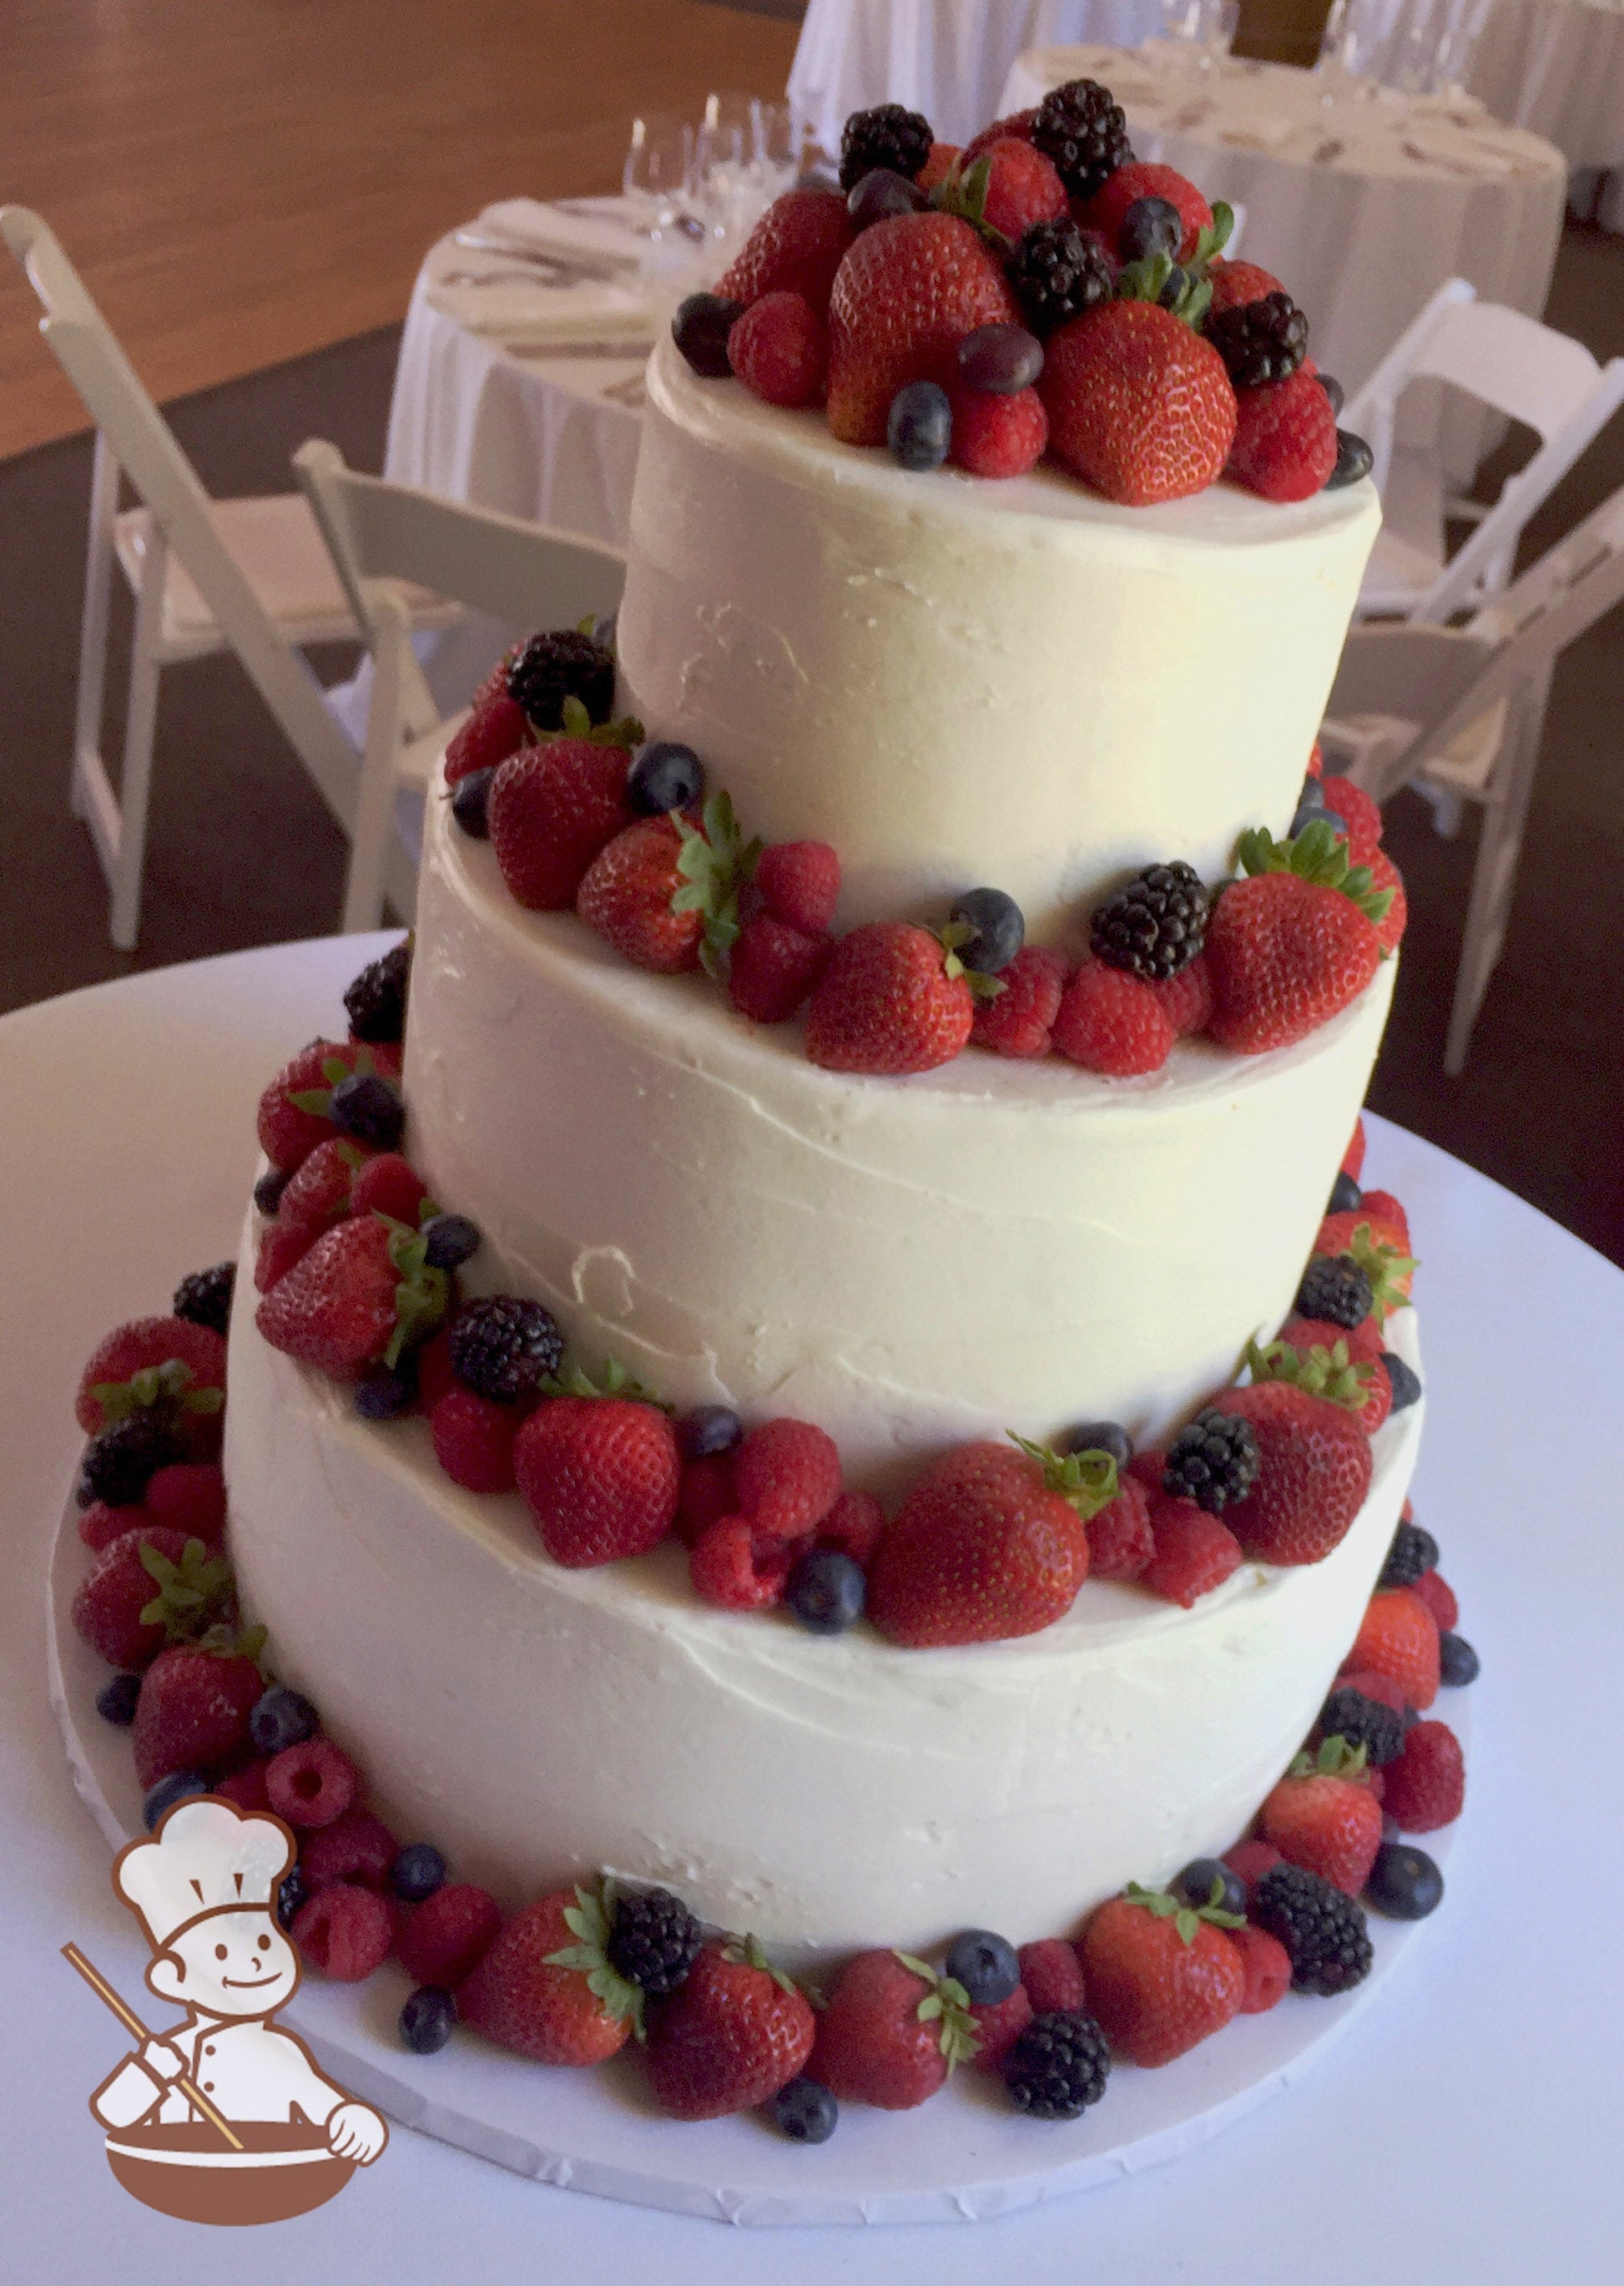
(1260, 341)
(904, 297)
(889, 135)
(1058, 272)
(1082, 128)
(795, 249)
(1153, 926)
(565, 664)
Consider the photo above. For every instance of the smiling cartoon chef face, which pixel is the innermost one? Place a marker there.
(204, 1888)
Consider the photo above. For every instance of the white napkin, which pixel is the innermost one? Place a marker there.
(1459, 154)
(531, 221)
(518, 310)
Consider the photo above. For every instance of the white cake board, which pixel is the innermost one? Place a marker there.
(963, 2157)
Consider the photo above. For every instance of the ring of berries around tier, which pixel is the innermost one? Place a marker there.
(1324, 1932)
(120, 1462)
(1260, 341)
(1412, 1552)
(1213, 1461)
(1155, 926)
(1082, 129)
(563, 663)
(1057, 273)
(1058, 2066)
(504, 1348)
(653, 1941)
(1363, 1722)
(889, 135)
(205, 1297)
(1336, 1290)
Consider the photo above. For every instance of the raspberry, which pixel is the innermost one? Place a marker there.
(731, 1565)
(788, 1475)
(100, 1526)
(779, 348)
(1194, 1553)
(1022, 186)
(449, 1934)
(1111, 1022)
(853, 1526)
(1051, 1974)
(1186, 999)
(435, 1371)
(312, 1784)
(474, 1439)
(1017, 1021)
(345, 1932)
(1433, 1589)
(999, 2025)
(1427, 1784)
(1285, 440)
(998, 435)
(1120, 1540)
(188, 1496)
(1268, 1968)
(799, 882)
(707, 1494)
(388, 1185)
(356, 1847)
(1369, 1684)
(1249, 1861)
(773, 967)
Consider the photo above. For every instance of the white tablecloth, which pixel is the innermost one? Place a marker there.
(1556, 66)
(948, 59)
(1363, 207)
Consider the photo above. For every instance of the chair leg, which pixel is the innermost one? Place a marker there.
(1493, 880)
(140, 721)
(375, 801)
(93, 625)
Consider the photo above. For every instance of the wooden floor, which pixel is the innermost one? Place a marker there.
(241, 181)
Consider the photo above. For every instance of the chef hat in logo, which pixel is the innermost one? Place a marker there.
(206, 1857)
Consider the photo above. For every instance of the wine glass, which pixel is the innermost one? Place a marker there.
(658, 163)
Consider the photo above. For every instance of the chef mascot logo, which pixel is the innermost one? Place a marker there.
(224, 2117)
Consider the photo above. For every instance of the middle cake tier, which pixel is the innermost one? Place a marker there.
(909, 1263)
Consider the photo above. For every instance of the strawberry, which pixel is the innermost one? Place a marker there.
(941, 160)
(473, 1440)
(1234, 284)
(449, 1934)
(1398, 1638)
(100, 1523)
(1140, 406)
(1018, 124)
(1364, 1342)
(1426, 1786)
(706, 1494)
(360, 1296)
(998, 2024)
(1314, 1464)
(1324, 1816)
(892, 2032)
(1018, 1020)
(531, 1993)
(1193, 1552)
(735, 1565)
(735, 2031)
(626, 897)
(169, 1367)
(788, 1477)
(495, 727)
(772, 968)
(1249, 1861)
(1285, 439)
(1050, 1975)
(996, 435)
(1161, 1975)
(1292, 945)
(796, 248)
(779, 348)
(1121, 1542)
(345, 1932)
(1439, 1598)
(293, 1110)
(1378, 1247)
(908, 290)
(281, 1246)
(798, 882)
(1353, 1158)
(599, 1476)
(389, 1184)
(990, 1544)
(1142, 179)
(1387, 1218)
(144, 1590)
(552, 807)
(320, 1193)
(1359, 814)
(193, 1713)
(1022, 186)
(1316, 752)
(1266, 1965)
(1385, 877)
(1186, 999)
(1378, 1399)
(853, 1526)
(892, 999)
(1112, 1022)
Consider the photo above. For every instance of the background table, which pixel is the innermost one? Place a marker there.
(1363, 207)
(1472, 2112)
(1555, 66)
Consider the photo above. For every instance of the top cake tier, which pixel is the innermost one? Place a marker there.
(959, 682)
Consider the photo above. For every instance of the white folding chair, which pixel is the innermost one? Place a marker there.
(379, 534)
(251, 575)
(1523, 369)
(1460, 711)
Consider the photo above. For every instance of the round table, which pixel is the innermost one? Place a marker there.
(1363, 205)
(1555, 66)
(1478, 2096)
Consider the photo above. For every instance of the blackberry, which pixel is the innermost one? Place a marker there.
(1055, 273)
(1155, 926)
(120, 1462)
(1413, 1551)
(890, 136)
(1323, 1931)
(1057, 2067)
(1335, 1290)
(1213, 1461)
(504, 1349)
(205, 1298)
(377, 1001)
(653, 1941)
(1081, 129)
(560, 665)
(1260, 341)
(1364, 1723)
(1406, 1380)
(291, 1890)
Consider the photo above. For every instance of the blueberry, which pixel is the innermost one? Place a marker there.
(291, 1893)
(1310, 811)
(168, 1792)
(920, 426)
(1172, 288)
(1101, 1436)
(428, 2019)
(471, 800)
(115, 1701)
(281, 1718)
(1354, 460)
(1457, 1662)
(880, 195)
(384, 1392)
(1195, 1885)
(417, 1873)
(708, 1429)
(805, 2111)
(666, 776)
(1406, 1381)
(825, 1591)
(268, 1190)
(700, 330)
(369, 1108)
(999, 925)
(1002, 359)
(1405, 1883)
(985, 1964)
(1150, 226)
(449, 1240)
(1334, 389)
(1345, 1194)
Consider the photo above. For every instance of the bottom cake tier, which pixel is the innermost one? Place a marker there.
(542, 1723)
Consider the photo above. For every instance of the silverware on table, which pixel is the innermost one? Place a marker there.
(689, 225)
(589, 263)
(603, 351)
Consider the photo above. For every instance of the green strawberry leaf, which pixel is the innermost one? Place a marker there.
(577, 724)
(714, 865)
(1212, 237)
(948, 2004)
(963, 191)
(749, 1950)
(1088, 1480)
(193, 1595)
(1383, 1265)
(949, 937)
(1338, 1758)
(1318, 854)
(422, 1297)
(1145, 280)
(588, 1921)
(573, 1380)
(1319, 1371)
(1186, 1919)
